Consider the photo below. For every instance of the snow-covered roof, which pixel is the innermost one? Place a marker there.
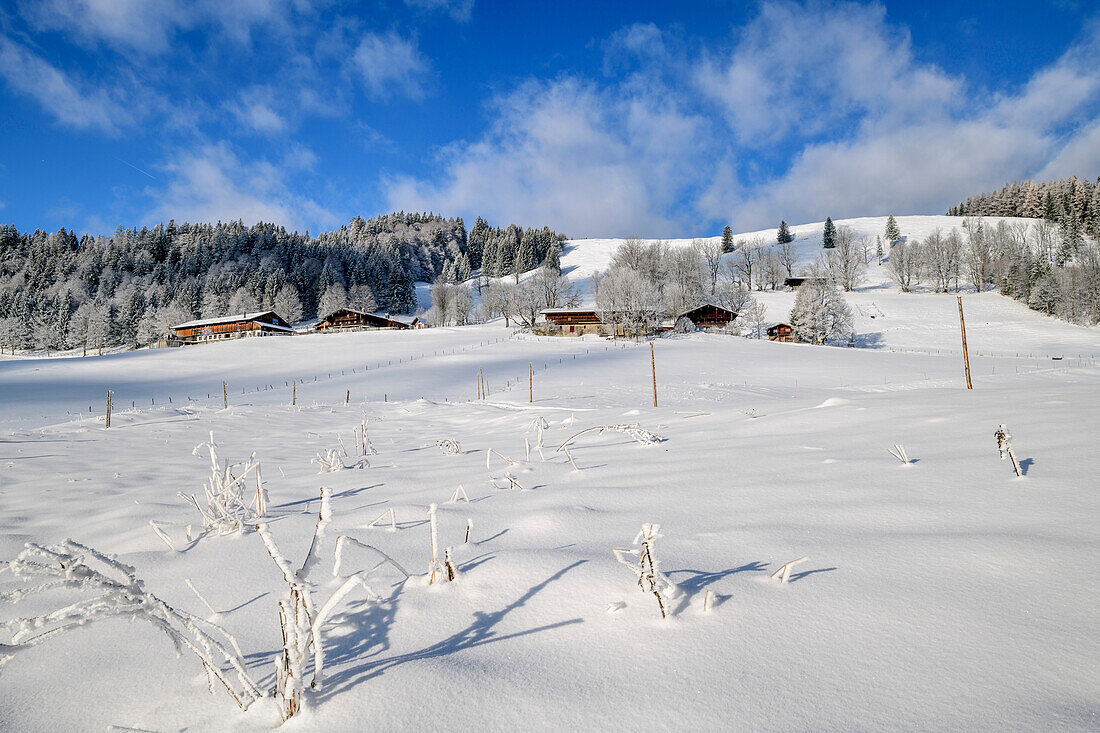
(558, 311)
(234, 319)
(407, 320)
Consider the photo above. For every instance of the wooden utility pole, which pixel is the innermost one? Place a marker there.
(530, 382)
(653, 370)
(966, 357)
(225, 395)
(109, 393)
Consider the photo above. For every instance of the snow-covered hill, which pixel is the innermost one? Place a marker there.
(582, 257)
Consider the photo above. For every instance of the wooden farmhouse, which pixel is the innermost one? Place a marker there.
(575, 322)
(708, 315)
(348, 319)
(261, 323)
(780, 332)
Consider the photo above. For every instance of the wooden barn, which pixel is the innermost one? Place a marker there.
(348, 319)
(261, 323)
(575, 321)
(780, 332)
(797, 282)
(708, 315)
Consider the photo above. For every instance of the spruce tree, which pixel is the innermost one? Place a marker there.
(784, 236)
(828, 237)
(553, 257)
(892, 232)
(727, 238)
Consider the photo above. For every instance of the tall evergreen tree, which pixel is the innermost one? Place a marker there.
(828, 236)
(784, 236)
(892, 232)
(727, 238)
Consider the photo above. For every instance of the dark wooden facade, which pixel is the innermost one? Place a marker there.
(797, 282)
(709, 315)
(348, 319)
(781, 332)
(264, 323)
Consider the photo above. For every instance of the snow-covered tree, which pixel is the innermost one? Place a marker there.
(333, 299)
(727, 239)
(783, 235)
(892, 232)
(820, 314)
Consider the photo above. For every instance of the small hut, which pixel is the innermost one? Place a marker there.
(708, 315)
(261, 323)
(780, 332)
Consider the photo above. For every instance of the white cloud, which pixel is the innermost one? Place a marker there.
(569, 155)
(211, 183)
(148, 27)
(459, 10)
(388, 64)
(66, 98)
(254, 108)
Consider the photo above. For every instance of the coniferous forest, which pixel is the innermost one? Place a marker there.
(60, 290)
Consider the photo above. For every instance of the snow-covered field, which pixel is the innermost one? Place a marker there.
(944, 594)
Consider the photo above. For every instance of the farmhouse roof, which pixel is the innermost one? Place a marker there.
(235, 319)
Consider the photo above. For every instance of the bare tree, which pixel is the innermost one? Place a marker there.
(904, 265)
(787, 256)
(979, 255)
(746, 257)
(629, 299)
(711, 252)
(845, 261)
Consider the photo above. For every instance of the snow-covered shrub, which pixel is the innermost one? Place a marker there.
(1004, 446)
(228, 505)
(330, 461)
(301, 621)
(643, 436)
(113, 590)
(647, 568)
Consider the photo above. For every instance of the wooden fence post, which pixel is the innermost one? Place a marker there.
(225, 396)
(966, 357)
(653, 371)
(530, 382)
(294, 393)
(109, 393)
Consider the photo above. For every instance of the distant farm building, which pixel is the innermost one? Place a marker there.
(575, 322)
(348, 319)
(707, 315)
(780, 332)
(261, 323)
(797, 282)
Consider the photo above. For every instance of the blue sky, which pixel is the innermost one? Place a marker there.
(653, 119)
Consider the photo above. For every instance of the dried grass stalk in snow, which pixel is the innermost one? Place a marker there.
(449, 447)
(224, 508)
(330, 462)
(388, 513)
(300, 620)
(635, 431)
(647, 568)
(783, 572)
(899, 452)
(490, 452)
(436, 571)
(457, 493)
(1004, 446)
(115, 592)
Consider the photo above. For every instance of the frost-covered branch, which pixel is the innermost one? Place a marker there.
(115, 592)
(635, 431)
(646, 568)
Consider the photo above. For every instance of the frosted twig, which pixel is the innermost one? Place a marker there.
(491, 451)
(449, 446)
(783, 572)
(636, 432)
(459, 492)
(647, 568)
(200, 596)
(899, 452)
(162, 535)
(393, 521)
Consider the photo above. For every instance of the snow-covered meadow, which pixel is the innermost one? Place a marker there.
(945, 593)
